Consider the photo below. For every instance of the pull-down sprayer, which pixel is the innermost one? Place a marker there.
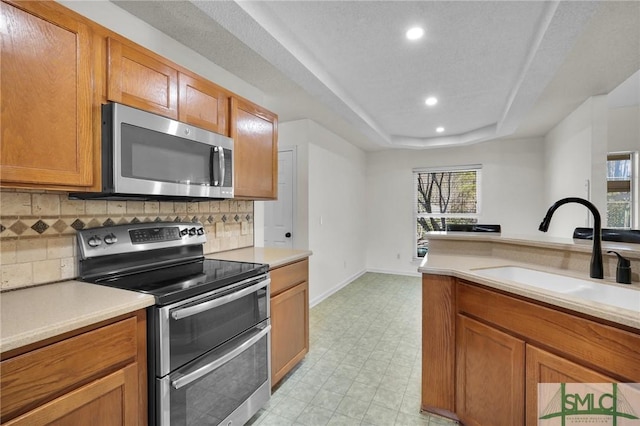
(596, 270)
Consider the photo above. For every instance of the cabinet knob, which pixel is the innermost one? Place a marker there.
(288, 235)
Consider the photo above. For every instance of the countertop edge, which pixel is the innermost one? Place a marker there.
(25, 334)
(274, 257)
(600, 311)
(541, 241)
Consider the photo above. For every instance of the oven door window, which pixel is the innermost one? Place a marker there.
(214, 322)
(232, 378)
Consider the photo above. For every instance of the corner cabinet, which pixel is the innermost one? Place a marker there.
(483, 363)
(289, 317)
(46, 97)
(96, 376)
(255, 134)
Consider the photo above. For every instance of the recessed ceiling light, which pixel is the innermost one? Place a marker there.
(415, 33)
(431, 101)
(439, 129)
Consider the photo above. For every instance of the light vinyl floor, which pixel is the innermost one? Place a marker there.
(364, 363)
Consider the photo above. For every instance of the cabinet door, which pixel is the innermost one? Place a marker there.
(545, 367)
(141, 80)
(289, 329)
(109, 401)
(490, 375)
(203, 104)
(255, 134)
(45, 97)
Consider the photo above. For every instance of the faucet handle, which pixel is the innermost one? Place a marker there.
(623, 271)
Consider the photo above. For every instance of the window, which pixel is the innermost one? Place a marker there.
(444, 196)
(622, 197)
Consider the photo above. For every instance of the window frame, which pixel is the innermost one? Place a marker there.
(632, 185)
(462, 168)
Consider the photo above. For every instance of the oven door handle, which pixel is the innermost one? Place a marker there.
(202, 371)
(205, 306)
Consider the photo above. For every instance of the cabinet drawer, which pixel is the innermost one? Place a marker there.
(289, 275)
(601, 347)
(33, 378)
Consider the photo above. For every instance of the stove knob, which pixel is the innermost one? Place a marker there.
(110, 239)
(94, 242)
(184, 232)
(192, 232)
(200, 231)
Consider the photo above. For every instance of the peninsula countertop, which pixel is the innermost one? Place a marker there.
(31, 314)
(461, 255)
(274, 257)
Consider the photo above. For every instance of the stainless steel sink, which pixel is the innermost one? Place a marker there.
(626, 298)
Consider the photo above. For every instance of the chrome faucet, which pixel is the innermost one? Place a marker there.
(596, 254)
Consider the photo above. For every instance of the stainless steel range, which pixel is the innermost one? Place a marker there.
(209, 332)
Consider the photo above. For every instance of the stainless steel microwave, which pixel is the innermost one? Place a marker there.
(147, 156)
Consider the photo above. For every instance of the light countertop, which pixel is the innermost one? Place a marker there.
(273, 257)
(32, 314)
(457, 256)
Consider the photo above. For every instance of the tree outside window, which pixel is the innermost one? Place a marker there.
(444, 197)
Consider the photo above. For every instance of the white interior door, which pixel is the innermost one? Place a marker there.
(278, 215)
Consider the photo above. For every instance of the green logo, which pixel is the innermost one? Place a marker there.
(588, 403)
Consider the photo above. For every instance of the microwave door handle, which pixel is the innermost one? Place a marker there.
(212, 165)
(221, 163)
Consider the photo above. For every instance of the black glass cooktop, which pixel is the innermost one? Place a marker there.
(180, 282)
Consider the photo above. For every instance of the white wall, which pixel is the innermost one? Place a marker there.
(331, 207)
(624, 129)
(575, 165)
(511, 194)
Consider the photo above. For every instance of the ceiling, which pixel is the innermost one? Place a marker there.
(498, 68)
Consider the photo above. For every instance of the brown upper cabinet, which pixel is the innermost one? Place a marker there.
(144, 80)
(141, 79)
(45, 97)
(58, 67)
(203, 104)
(255, 134)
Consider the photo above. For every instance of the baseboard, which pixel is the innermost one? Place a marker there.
(354, 277)
(335, 289)
(388, 271)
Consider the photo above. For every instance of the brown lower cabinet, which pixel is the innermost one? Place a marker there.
(96, 377)
(483, 362)
(289, 317)
(489, 359)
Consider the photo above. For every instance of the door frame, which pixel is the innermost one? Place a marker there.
(294, 190)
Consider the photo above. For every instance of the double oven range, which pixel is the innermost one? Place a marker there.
(209, 331)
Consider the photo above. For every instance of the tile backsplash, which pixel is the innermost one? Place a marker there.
(37, 229)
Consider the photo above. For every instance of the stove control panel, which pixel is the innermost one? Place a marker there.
(136, 237)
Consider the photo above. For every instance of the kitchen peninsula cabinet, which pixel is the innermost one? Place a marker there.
(505, 345)
(95, 376)
(289, 317)
(255, 134)
(490, 375)
(46, 97)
